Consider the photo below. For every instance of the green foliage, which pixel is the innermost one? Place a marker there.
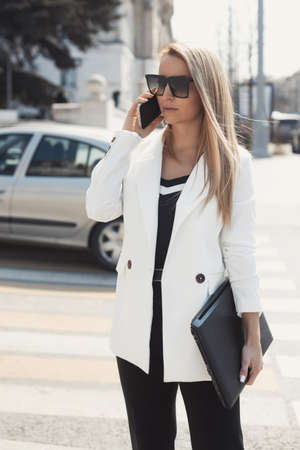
(29, 28)
(29, 88)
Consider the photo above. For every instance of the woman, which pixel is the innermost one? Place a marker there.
(177, 244)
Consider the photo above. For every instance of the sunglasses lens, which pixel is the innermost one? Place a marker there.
(155, 84)
(179, 85)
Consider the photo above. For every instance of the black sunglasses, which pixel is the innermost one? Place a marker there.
(179, 85)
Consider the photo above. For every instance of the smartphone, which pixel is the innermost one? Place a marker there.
(148, 111)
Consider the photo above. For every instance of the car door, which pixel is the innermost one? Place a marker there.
(12, 147)
(49, 198)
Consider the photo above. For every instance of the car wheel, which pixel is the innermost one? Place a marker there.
(106, 243)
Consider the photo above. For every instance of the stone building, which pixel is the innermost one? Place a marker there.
(122, 56)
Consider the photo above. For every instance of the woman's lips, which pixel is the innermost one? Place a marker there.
(170, 109)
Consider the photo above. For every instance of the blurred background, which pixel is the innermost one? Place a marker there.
(69, 72)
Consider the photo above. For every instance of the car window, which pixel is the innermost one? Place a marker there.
(11, 150)
(289, 124)
(61, 157)
(95, 154)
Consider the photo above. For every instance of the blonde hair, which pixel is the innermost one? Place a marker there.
(218, 141)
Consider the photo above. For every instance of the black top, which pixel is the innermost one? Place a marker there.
(170, 191)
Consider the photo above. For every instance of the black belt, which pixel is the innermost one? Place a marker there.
(157, 274)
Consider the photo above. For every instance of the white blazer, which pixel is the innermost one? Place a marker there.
(127, 181)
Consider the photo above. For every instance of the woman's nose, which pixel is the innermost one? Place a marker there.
(167, 92)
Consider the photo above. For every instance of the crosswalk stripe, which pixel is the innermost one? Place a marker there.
(54, 344)
(285, 332)
(289, 366)
(55, 291)
(57, 305)
(264, 411)
(64, 369)
(277, 284)
(62, 401)
(288, 305)
(266, 251)
(271, 266)
(262, 239)
(55, 322)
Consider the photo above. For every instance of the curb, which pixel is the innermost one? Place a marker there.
(102, 279)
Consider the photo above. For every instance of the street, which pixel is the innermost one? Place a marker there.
(59, 385)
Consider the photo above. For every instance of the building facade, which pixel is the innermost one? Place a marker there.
(122, 56)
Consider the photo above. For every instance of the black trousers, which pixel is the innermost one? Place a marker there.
(151, 403)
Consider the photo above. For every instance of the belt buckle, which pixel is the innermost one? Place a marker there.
(157, 274)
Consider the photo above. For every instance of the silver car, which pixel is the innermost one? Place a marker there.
(44, 174)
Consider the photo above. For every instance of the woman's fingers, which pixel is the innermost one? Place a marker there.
(251, 361)
(144, 97)
(131, 122)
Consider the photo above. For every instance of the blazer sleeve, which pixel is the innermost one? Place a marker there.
(104, 196)
(238, 242)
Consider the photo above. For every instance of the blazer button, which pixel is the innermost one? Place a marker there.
(200, 277)
(129, 264)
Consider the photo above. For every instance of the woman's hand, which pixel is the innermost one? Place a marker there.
(252, 358)
(131, 122)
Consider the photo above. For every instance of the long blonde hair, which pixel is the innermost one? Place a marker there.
(218, 141)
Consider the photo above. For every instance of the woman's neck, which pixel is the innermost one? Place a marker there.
(184, 143)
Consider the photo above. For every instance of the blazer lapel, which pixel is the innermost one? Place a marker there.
(147, 176)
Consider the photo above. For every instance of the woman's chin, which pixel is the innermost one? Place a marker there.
(170, 121)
